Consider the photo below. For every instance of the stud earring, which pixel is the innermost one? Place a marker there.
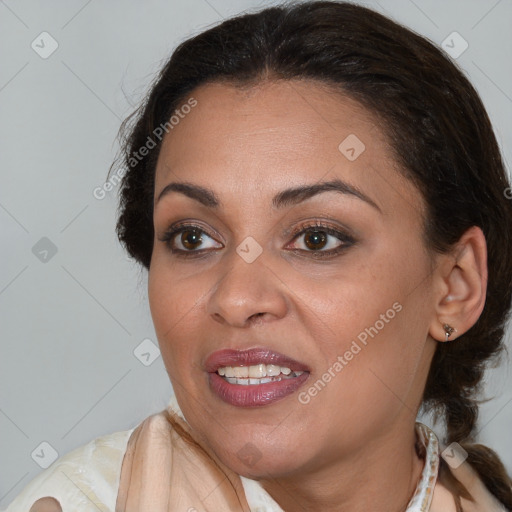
(448, 331)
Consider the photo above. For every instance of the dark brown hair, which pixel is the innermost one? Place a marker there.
(438, 129)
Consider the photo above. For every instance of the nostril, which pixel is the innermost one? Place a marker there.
(255, 317)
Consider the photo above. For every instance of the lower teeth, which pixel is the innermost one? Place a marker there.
(264, 380)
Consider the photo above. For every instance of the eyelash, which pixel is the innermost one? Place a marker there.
(346, 239)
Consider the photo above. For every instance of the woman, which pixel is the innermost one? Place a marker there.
(320, 201)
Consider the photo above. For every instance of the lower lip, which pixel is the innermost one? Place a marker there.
(255, 395)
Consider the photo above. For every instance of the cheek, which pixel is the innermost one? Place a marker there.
(376, 319)
(175, 305)
(369, 377)
(350, 303)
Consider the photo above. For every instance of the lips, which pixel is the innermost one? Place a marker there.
(229, 357)
(253, 392)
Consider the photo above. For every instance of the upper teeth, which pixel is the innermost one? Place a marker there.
(255, 371)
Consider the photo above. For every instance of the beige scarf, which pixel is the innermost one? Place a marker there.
(164, 471)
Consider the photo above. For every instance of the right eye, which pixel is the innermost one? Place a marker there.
(188, 238)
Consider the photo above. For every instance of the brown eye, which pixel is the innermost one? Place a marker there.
(318, 240)
(315, 239)
(191, 238)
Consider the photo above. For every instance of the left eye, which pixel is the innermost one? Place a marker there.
(320, 240)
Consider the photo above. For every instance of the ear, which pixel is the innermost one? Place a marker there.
(461, 285)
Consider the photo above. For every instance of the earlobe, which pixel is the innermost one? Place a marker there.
(463, 284)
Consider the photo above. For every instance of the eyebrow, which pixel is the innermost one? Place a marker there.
(288, 197)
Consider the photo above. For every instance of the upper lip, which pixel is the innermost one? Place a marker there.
(253, 356)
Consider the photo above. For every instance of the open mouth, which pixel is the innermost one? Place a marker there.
(254, 377)
(257, 374)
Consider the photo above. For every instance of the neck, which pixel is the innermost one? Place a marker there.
(383, 475)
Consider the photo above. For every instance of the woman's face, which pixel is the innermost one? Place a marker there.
(293, 305)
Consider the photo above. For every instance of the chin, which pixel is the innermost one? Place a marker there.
(252, 463)
(250, 454)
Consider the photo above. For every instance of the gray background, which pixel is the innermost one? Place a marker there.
(71, 321)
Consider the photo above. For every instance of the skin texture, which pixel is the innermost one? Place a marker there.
(46, 505)
(247, 145)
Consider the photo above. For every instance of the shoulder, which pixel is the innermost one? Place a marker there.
(482, 499)
(85, 479)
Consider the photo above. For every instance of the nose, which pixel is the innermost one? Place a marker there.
(247, 293)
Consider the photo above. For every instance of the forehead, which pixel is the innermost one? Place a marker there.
(273, 135)
(284, 117)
